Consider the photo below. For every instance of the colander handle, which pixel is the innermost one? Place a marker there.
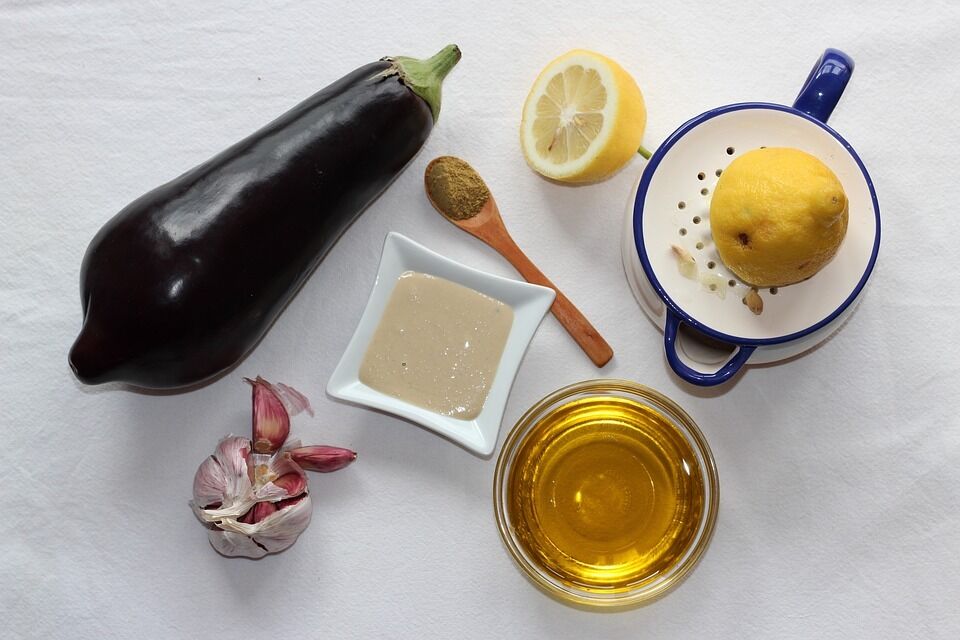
(825, 84)
(670, 330)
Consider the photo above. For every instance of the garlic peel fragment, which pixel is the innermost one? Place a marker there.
(209, 483)
(233, 544)
(232, 453)
(685, 262)
(753, 301)
(294, 401)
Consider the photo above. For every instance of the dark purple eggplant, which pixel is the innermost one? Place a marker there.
(181, 284)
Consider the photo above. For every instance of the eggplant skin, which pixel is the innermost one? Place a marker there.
(184, 281)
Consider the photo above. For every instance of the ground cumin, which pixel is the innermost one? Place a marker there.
(455, 188)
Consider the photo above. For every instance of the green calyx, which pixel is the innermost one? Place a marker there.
(425, 77)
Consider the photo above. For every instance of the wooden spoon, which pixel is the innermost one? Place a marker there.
(458, 192)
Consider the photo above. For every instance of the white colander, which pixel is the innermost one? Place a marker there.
(671, 206)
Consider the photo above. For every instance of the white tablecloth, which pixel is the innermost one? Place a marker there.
(839, 470)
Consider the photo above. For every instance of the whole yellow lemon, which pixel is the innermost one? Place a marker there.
(778, 215)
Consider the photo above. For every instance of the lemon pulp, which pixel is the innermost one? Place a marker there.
(583, 119)
(569, 114)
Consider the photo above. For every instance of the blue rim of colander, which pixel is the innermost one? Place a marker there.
(686, 318)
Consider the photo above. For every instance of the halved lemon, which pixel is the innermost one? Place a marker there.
(583, 120)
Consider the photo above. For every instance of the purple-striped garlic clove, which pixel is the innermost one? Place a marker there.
(271, 420)
(293, 483)
(322, 458)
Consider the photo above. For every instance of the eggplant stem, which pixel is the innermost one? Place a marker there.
(424, 77)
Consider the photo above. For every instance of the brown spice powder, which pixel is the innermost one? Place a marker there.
(455, 188)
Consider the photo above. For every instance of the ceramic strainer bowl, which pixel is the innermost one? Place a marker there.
(671, 206)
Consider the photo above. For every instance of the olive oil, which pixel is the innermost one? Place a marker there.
(605, 493)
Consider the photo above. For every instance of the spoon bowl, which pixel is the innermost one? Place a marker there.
(487, 225)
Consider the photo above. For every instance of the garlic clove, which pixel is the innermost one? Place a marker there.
(275, 533)
(289, 502)
(293, 483)
(271, 421)
(259, 512)
(209, 483)
(231, 454)
(263, 509)
(322, 458)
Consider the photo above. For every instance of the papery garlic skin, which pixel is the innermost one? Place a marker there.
(209, 483)
(292, 400)
(264, 469)
(223, 480)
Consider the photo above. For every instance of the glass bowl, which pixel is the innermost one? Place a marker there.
(603, 530)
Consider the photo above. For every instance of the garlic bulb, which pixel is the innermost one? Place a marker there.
(253, 494)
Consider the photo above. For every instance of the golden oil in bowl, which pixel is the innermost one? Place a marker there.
(606, 493)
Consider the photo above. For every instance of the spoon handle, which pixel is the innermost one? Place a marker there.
(569, 316)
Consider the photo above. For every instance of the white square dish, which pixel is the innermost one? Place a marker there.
(529, 302)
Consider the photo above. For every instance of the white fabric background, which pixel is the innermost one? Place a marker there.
(839, 470)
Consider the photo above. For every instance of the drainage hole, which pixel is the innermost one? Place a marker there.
(730, 151)
(701, 175)
(704, 191)
(696, 219)
(681, 205)
(711, 264)
(683, 231)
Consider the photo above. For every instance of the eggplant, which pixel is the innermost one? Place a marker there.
(183, 282)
